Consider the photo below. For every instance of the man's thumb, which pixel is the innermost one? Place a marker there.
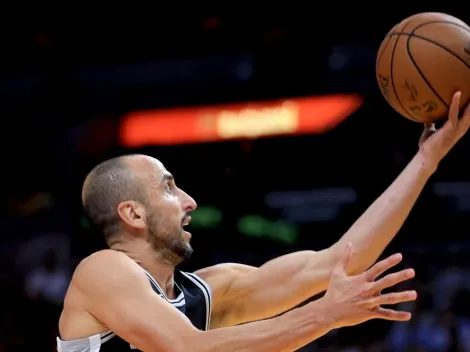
(429, 130)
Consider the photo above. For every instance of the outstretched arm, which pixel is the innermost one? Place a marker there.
(115, 290)
(374, 230)
(244, 293)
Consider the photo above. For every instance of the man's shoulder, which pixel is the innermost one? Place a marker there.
(100, 259)
(104, 266)
(105, 255)
(99, 283)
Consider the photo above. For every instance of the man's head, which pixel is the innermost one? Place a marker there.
(135, 198)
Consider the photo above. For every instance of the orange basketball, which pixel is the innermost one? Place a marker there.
(422, 62)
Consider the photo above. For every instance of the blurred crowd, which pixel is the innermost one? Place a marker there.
(441, 320)
(32, 304)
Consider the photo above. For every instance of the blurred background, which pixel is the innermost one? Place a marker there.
(270, 118)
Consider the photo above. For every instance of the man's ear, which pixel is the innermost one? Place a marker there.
(132, 213)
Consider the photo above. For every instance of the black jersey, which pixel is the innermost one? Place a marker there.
(193, 299)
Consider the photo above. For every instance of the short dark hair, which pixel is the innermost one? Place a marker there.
(107, 185)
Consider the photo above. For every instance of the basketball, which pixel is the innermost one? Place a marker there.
(422, 62)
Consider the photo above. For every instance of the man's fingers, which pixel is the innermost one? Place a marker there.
(464, 123)
(390, 314)
(393, 279)
(343, 262)
(392, 298)
(454, 109)
(383, 266)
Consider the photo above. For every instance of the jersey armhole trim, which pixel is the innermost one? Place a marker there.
(206, 290)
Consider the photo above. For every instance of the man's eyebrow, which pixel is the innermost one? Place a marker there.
(167, 177)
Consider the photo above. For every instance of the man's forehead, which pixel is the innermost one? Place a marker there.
(157, 164)
(160, 169)
(160, 175)
(155, 168)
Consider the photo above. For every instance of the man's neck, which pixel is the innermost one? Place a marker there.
(152, 262)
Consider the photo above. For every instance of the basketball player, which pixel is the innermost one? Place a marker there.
(130, 297)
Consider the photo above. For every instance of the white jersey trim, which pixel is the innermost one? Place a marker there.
(206, 290)
(177, 302)
(91, 343)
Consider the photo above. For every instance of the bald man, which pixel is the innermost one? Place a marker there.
(131, 297)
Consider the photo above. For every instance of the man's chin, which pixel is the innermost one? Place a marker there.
(186, 236)
(187, 252)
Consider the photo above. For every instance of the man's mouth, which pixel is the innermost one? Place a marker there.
(186, 221)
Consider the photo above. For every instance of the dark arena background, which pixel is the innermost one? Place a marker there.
(270, 117)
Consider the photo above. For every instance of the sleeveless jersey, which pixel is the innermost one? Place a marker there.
(193, 299)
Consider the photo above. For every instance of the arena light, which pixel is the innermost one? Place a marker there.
(236, 121)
